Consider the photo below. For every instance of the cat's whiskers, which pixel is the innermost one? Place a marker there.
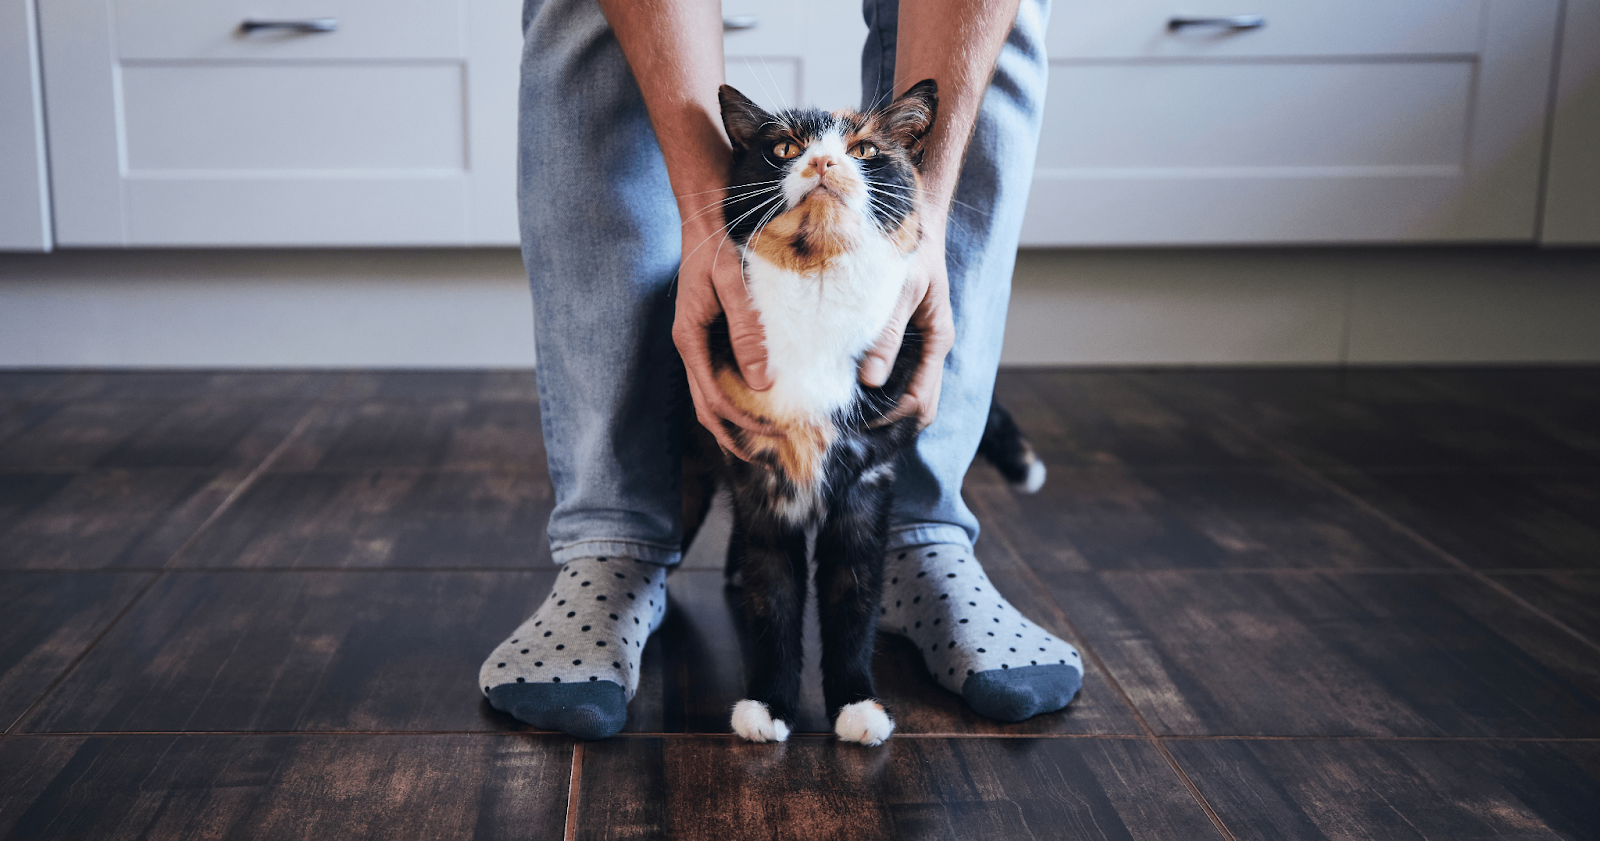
(917, 192)
(728, 227)
(720, 189)
(761, 227)
(730, 200)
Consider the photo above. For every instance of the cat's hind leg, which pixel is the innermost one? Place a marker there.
(772, 568)
(850, 548)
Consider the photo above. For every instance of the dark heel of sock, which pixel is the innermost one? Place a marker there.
(594, 710)
(1022, 693)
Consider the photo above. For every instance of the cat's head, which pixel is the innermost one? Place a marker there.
(807, 185)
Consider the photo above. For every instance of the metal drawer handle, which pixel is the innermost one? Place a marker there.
(739, 23)
(308, 26)
(1233, 22)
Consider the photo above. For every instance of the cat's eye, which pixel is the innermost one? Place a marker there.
(786, 150)
(864, 150)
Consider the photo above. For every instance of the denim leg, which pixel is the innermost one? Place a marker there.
(981, 243)
(600, 241)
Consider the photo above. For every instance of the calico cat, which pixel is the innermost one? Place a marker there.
(822, 209)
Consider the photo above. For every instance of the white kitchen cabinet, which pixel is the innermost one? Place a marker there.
(1572, 178)
(1359, 121)
(24, 185)
(173, 123)
(784, 54)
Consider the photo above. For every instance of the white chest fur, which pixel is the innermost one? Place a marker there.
(818, 325)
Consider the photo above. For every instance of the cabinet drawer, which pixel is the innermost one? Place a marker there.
(247, 118)
(210, 29)
(1094, 29)
(1229, 116)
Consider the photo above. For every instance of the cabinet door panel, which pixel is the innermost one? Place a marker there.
(210, 29)
(1367, 147)
(814, 46)
(1138, 28)
(1255, 116)
(367, 116)
(170, 128)
(328, 211)
(24, 201)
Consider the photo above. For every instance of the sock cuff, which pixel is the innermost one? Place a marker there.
(650, 553)
(925, 534)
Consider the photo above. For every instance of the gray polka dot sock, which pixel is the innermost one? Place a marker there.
(574, 665)
(972, 640)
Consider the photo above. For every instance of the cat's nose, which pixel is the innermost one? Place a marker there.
(821, 163)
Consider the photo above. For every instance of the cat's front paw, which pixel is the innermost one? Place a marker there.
(864, 722)
(752, 721)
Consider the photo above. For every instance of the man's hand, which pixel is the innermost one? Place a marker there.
(711, 283)
(954, 42)
(925, 302)
(674, 48)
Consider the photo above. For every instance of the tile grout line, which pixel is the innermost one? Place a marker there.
(227, 501)
(1403, 530)
(572, 790)
(1116, 686)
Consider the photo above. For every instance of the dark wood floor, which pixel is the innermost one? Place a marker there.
(1313, 604)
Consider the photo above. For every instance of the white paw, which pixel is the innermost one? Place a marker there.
(1035, 480)
(865, 722)
(751, 721)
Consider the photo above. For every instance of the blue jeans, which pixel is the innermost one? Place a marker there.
(600, 239)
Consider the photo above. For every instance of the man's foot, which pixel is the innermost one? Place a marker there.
(972, 640)
(574, 665)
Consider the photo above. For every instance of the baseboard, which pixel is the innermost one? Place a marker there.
(444, 308)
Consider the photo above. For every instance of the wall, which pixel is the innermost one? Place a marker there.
(470, 307)
(1313, 305)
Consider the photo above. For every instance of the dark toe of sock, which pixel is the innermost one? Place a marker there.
(1021, 693)
(590, 710)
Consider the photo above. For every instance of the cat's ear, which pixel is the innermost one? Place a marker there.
(909, 117)
(740, 117)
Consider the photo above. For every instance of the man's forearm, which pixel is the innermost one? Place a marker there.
(956, 43)
(674, 48)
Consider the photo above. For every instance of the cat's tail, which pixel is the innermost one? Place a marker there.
(1005, 447)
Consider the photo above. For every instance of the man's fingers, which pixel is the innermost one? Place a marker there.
(879, 359)
(749, 347)
(709, 398)
(714, 426)
(744, 323)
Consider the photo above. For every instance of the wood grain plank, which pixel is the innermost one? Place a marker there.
(198, 385)
(105, 518)
(50, 618)
(30, 385)
(455, 434)
(1570, 598)
(1118, 518)
(1326, 654)
(1562, 402)
(211, 434)
(815, 788)
(284, 787)
(1398, 791)
(440, 386)
(1379, 418)
(302, 651)
(1090, 418)
(1492, 519)
(383, 518)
